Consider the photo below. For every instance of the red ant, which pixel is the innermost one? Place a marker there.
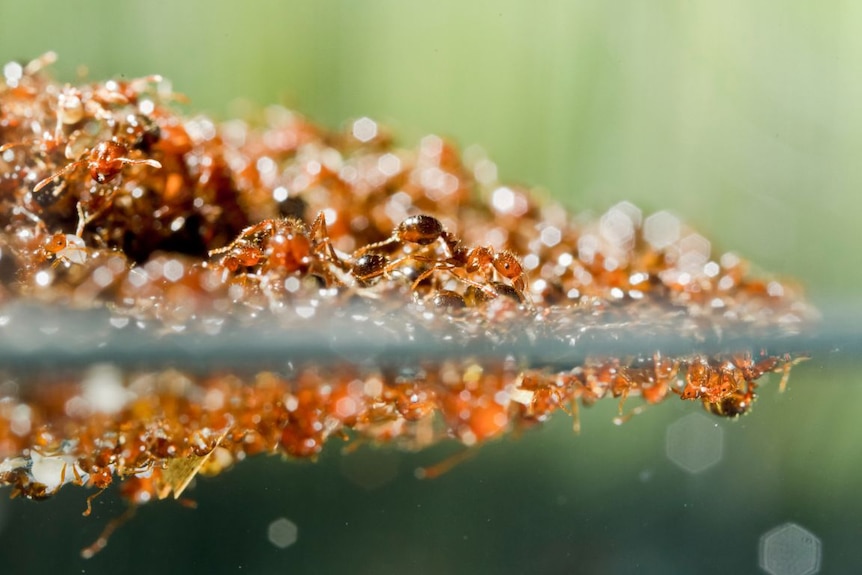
(104, 162)
(424, 231)
(488, 262)
(67, 247)
(727, 389)
(286, 245)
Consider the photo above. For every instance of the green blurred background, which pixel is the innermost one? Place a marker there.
(741, 116)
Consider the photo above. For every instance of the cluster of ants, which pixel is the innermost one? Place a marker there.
(86, 186)
(418, 251)
(108, 197)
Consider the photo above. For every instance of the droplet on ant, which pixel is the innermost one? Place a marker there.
(70, 109)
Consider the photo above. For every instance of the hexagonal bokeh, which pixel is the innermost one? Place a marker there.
(789, 550)
(694, 442)
(661, 229)
(364, 129)
(282, 533)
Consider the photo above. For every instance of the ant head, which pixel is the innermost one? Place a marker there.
(56, 243)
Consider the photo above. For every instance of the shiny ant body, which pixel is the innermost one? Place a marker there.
(284, 245)
(463, 263)
(104, 162)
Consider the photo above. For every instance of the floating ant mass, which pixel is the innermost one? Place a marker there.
(246, 191)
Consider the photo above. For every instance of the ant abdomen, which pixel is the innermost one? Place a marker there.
(419, 229)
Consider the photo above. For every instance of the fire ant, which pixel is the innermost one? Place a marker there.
(286, 245)
(104, 162)
(737, 403)
(425, 231)
(421, 230)
(725, 389)
(491, 264)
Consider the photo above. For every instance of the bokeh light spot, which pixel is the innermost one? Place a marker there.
(694, 443)
(789, 550)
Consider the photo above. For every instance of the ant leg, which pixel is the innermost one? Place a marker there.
(785, 377)
(113, 525)
(426, 274)
(5, 147)
(623, 396)
(622, 418)
(83, 219)
(318, 228)
(57, 174)
(43, 61)
(441, 467)
(90, 499)
(375, 246)
(576, 417)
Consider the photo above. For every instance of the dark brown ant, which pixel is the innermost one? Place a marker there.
(368, 267)
(419, 229)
